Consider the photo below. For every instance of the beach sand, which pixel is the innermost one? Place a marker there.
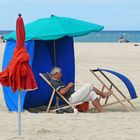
(113, 124)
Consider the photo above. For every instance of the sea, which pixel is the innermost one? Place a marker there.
(103, 36)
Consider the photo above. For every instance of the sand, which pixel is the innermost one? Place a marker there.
(113, 124)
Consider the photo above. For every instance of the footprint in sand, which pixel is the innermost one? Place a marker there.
(43, 131)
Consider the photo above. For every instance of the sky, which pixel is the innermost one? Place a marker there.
(112, 14)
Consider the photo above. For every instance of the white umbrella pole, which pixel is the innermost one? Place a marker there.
(19, 112)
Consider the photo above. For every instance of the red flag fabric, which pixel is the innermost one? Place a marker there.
(18, 74)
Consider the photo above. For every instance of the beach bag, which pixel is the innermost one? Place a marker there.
(83, 107)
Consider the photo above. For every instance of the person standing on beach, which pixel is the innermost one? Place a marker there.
(86, 93)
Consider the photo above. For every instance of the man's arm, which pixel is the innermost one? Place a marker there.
(66, 88)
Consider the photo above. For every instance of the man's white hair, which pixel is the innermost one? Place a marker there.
(55, 70)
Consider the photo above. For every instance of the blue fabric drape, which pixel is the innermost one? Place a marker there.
(41, 63)
(65, 59)
(44, 61)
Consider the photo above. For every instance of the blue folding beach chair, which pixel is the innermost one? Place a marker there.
(126, 82)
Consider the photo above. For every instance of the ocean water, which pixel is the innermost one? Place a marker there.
(110, 36)
(4, 32)
(103, 36)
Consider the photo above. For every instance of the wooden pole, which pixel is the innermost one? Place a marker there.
(108, 97)
(54, 52)
(50, 102)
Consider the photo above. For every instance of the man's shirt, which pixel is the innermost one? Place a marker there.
(58, 85)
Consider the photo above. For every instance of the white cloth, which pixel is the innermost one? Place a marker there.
(85, 93)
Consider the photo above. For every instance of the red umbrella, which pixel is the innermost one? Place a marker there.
(18, 75)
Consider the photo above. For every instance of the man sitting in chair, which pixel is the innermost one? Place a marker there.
(86, 93)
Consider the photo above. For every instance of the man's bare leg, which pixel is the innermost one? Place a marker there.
(97, 105)
(102, 94)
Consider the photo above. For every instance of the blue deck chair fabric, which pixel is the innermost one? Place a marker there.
(125, 80)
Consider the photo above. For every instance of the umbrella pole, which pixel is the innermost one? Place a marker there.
(54, 52)
(19, 112)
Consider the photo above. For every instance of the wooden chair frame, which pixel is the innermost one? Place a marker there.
(112, 85)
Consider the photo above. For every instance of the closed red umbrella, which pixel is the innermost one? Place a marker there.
(18, 75)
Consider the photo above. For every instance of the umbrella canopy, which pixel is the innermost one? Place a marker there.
(18, 74)
(56, 27)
